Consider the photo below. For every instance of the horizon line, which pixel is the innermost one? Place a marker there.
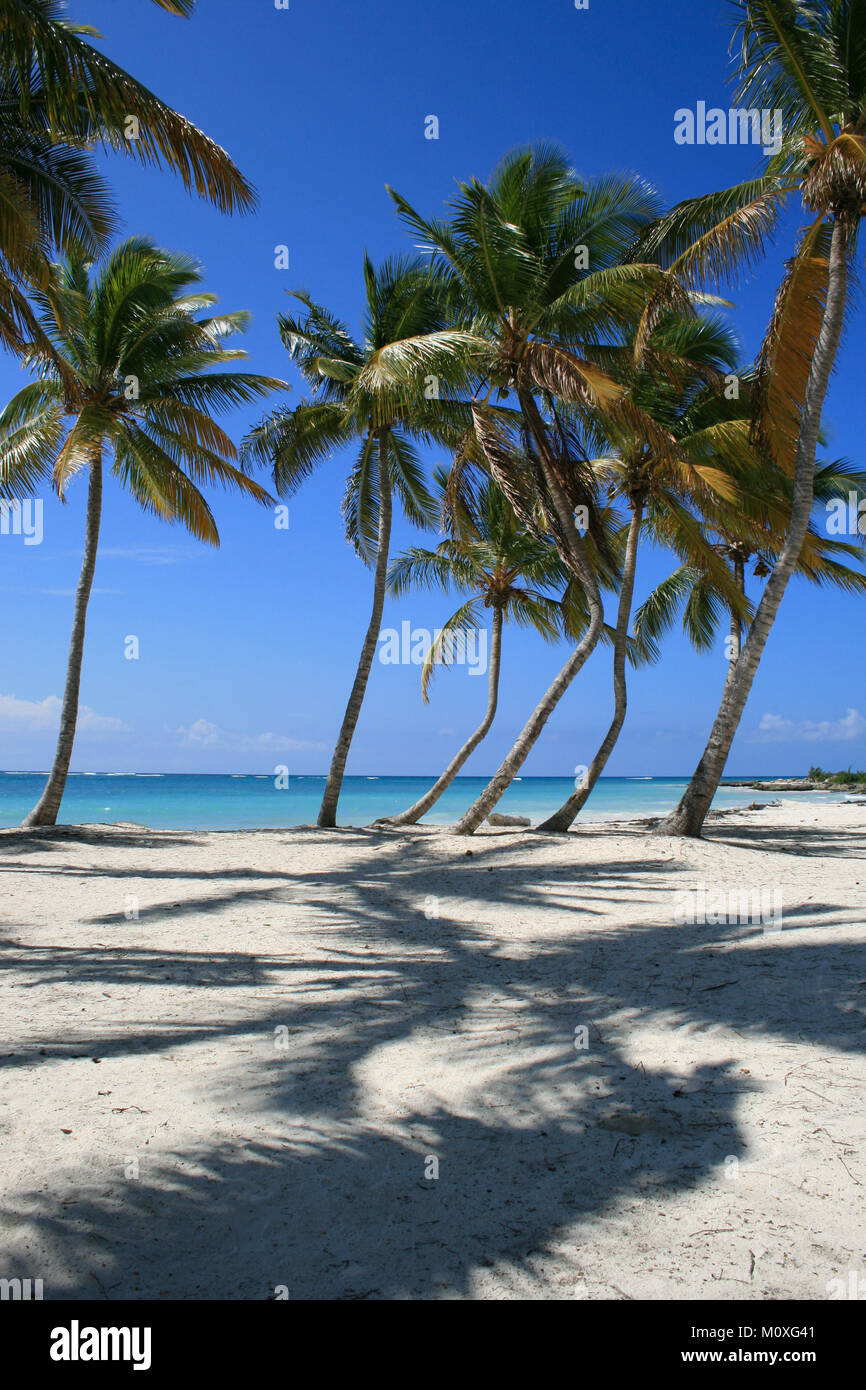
(383, 776)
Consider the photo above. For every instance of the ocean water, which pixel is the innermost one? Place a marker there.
(191, 802)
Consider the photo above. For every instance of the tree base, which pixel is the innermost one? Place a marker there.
(38, 819)
(679, 827)
(552, 826)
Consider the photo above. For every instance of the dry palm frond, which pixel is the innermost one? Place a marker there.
(785, 359)
(568, 377)
(501, 453)
(712, 256)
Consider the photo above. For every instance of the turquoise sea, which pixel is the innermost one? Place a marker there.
(192, 802)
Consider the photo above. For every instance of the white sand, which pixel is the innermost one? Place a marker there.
(297, 1020)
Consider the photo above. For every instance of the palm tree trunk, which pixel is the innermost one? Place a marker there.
(573, 551)
(736, 634)
(688, 818)
(46, 811)
(423, 805)
(523, 745)
(328, 810)
(567, 813)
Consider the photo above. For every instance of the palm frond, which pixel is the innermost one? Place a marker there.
(785, 358)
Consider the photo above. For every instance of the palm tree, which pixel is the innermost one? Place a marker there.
(533, 263)
(67, 86)
(805, 60)
(608, 567)
(675, 452)
(356, 399)
(651, 373)
(689, 590)
(136, 354)
(755, 536)
(59, 97)
(507, 570)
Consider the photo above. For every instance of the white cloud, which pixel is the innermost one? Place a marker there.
(36, 715)
(203, 734)
(774, 729)
(68, 593)
(52, 593)
(145, 555)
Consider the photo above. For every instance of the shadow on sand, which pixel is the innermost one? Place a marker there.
(327, 1188)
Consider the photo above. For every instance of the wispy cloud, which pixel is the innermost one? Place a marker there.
(774, 729)
(52, 593)
(68, 593)
(203, 734)
(146, 555)
(37, 715)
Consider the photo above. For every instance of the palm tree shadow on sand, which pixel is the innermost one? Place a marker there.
(325, 1184)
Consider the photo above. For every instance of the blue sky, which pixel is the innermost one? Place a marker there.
(247, 653)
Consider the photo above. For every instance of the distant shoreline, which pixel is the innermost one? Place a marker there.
(802, 784)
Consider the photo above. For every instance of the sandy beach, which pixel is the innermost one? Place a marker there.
(384, 1065)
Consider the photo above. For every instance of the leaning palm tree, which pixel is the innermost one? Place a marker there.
(137, 385)
(674, 455)
(755, 537)
(59, 98)
(508, 570)
(694, 591)
(655, 378)
(607, 562)
(533, 261)
(689, 590)
(805, 60)
(356, 400)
